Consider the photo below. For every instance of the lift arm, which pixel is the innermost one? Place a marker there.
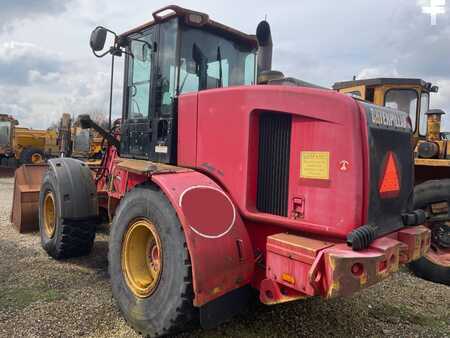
(86, 123)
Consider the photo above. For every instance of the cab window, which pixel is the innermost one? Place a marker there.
(405, 100)
(354, 93)
(211, 61)
(139, 77)
(424, 107)
(167, 76)
(5, 133)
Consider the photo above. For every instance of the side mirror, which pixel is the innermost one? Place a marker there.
(98, 39)
(434, 89)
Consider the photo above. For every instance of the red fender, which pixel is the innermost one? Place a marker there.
(217, 239)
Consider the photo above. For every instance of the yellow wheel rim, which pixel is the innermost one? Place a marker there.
(36, 158)
(49, 214)
(142, 258)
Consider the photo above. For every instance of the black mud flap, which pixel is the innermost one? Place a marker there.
(226, 307)
(76, 188)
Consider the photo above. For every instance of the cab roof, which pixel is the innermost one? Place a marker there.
(382, 81)
(195, 19)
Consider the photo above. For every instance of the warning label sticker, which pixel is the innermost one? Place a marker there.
(315, 165)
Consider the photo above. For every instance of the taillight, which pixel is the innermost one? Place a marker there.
(390, 181)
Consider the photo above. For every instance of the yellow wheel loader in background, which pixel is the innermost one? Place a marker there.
(432, 160)
(20, 145)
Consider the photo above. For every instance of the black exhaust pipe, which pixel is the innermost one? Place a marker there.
(265, 49)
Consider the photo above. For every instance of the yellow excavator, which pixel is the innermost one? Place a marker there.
(432, 160)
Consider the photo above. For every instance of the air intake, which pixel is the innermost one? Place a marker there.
(273, 166)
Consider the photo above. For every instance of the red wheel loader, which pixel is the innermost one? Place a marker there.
(218, 184)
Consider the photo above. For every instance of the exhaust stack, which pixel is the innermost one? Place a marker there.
(264, 37)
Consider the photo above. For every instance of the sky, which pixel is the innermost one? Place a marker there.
(47, 67)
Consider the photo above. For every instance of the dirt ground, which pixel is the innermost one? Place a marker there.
(40, 297)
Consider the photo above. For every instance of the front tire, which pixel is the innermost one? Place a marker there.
(149, 265)
(61, 239)
(427, 195)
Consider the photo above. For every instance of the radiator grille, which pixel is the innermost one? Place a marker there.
(273, 166)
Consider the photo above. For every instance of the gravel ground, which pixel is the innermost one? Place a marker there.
(40, 297)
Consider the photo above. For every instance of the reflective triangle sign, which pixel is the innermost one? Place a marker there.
(390, 182)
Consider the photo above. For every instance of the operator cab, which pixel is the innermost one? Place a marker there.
(6, 129)
(5, 133)
(409, 95)
(180, 51)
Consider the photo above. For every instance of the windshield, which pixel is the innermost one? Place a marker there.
(404, 100)
(424, 107)
(210, 61)
(5, 132)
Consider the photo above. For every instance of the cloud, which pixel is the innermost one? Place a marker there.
(321, 42)
(380, 71)
(14, 12)
(22, 63)
(37, 85)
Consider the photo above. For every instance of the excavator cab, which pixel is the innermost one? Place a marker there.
(180, 51)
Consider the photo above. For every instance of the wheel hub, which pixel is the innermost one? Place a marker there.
(142, 258)
(49, 214)
(36, 158)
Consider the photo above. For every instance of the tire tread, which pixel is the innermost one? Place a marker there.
(424, 194)
(77, 240)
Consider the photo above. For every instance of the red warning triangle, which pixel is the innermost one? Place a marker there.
(390, 183)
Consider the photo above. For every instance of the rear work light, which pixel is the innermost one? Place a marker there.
(390, 180)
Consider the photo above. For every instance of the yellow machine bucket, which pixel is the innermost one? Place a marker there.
(25, 209)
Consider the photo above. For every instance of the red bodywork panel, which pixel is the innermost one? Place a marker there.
(218, 134)
(219, 245)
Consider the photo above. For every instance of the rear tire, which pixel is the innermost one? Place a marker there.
(61, 239)
(32, 156)
(426, 269)
(426, 194)
(168, 307)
